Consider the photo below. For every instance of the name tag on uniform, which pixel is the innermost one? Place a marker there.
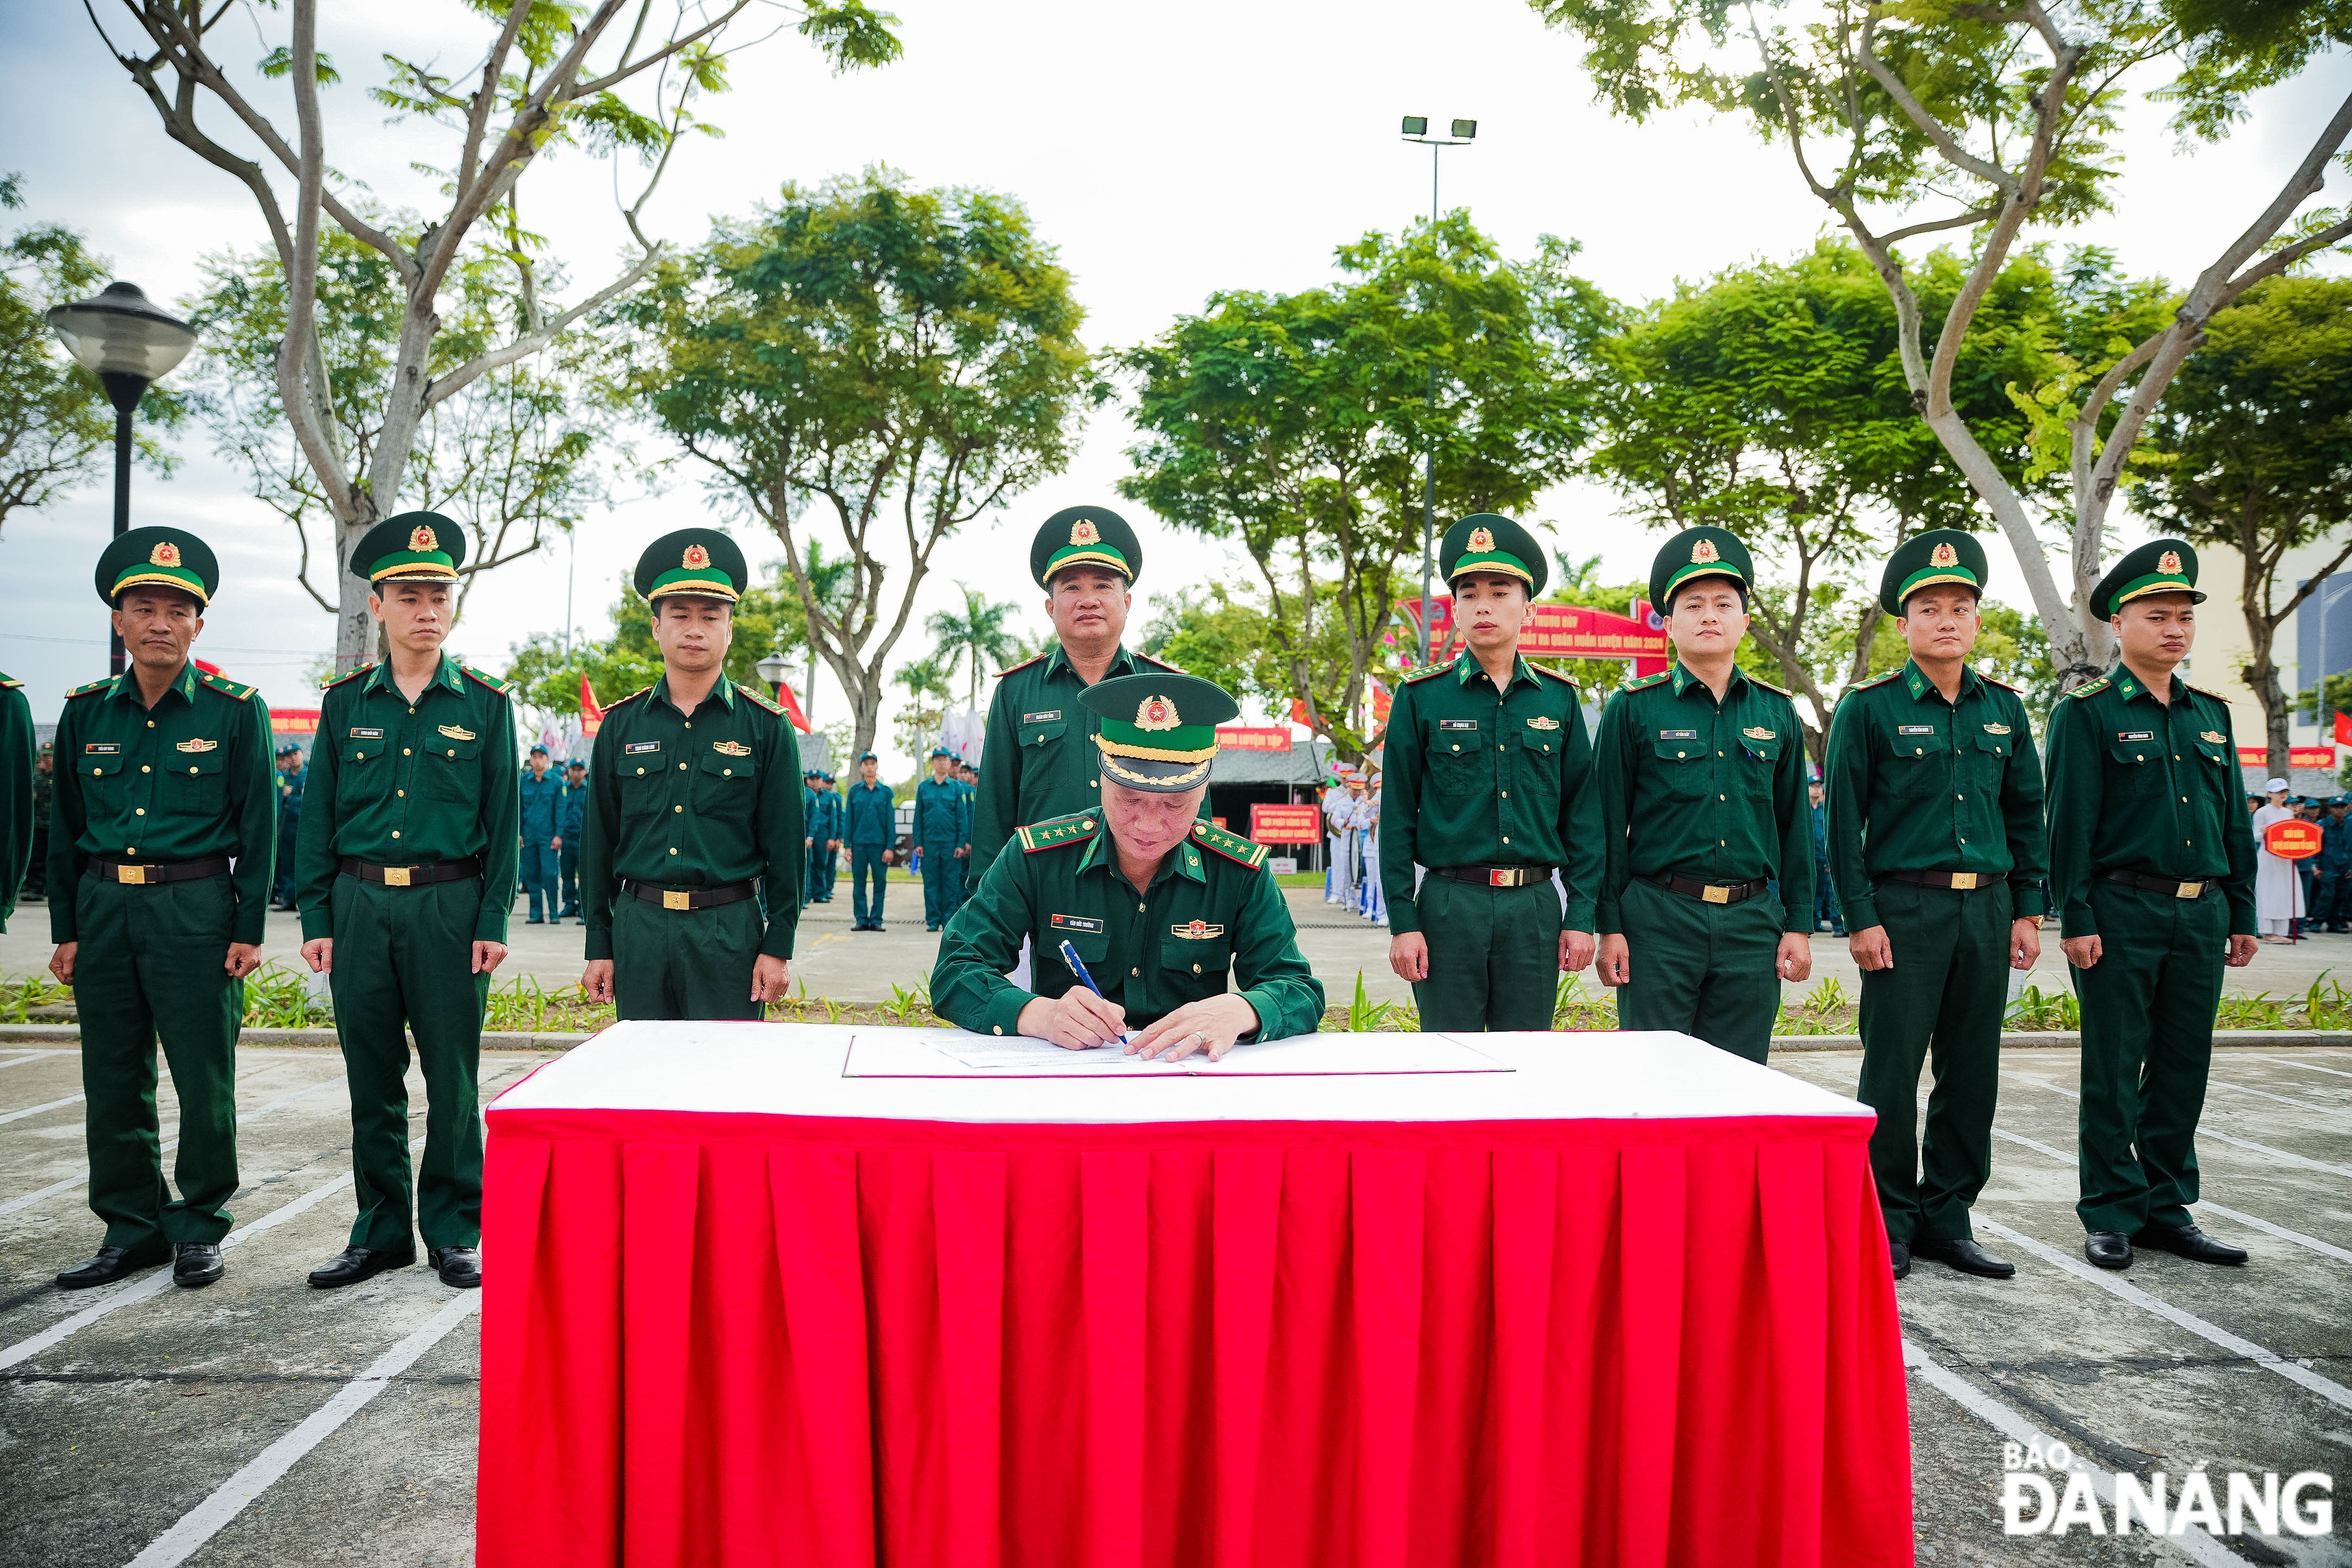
(101, 749)
(367, 734)
(1076, 923)
(634, 747)
(1457, 723)
(1678, 734)
(2135, 734)
(1915, 730)
(1047, 717)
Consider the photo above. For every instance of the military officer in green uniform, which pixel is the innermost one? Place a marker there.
(2152, 876)
(161, 853)
(693, 800)
(405, 874)
(1159, 906)
(1702, 777)
(1935, 842)
(1489, 786)
(943, 834)
(1039, 741)
(17, 788)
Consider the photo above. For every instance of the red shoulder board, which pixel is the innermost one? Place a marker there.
(1160, 664)
(1022, 664)
(631, 697)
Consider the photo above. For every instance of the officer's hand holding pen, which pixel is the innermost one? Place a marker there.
(1077, 1020)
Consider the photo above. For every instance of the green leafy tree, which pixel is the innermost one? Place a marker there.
(1911, 117)
(1297, 427)
(923, 709)
(975, 635)
(2259, 432)
(55, 421)
(867, 362)
(614, 82)
(1217, 635)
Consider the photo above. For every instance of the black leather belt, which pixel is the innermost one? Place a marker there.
(2192, 888)
(151, 873)
(1494, 875)
(691, 897)
(1710, 892)
(1958, 881)
(413, 876)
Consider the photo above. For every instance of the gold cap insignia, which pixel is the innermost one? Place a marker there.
(1084, 531)
(164, 554)
(457, 732)
(1758, 733)
(1996, 729)
(1155, 713)
(1703, 553)
(199, 745)
(730, 748)
(2212, 737)
(421, 539)
(1482, 541)
(1944, 555)
(2169, 562)
(696, 558)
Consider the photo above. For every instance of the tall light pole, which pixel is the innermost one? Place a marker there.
(128, 342)
(1416, 128)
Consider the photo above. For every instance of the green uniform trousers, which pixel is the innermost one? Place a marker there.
(865, 866)
(1494, 955)
(1701, 969)
(404, 961)
(2148, 1042)
(150, 964)
(942, 883)
(685, 963)
(1943, 1001)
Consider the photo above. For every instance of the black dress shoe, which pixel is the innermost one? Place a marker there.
(2187, 1241)
(358, 1263)
(458, 1266)
(111, 1263)
(1968, 1258)
(1901, 1255)
(195, 1263)
(2108, 1248)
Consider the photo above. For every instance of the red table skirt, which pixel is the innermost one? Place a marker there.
(748, 1339)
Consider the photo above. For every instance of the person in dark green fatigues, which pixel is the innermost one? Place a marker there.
(574, 822)
(1702, 778)
(17, 788)
(1934, 840)
(2152, 876)
(1039, 740)
(1160, 907)
(827, 868)
(161, 853)
(1488, 785)
(405, 874)
(870, 823)
(943, 833)
(694, 801)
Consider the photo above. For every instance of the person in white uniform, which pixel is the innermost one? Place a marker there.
(2278, 892)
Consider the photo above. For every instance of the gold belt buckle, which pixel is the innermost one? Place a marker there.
(396, 875)
(674, 900)
(1711, 894)
(134, 875)
(1964, 881)
(1498, 877)
(2188, 891)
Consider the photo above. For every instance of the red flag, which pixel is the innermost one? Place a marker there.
(2343, 728)
(592, 716)
(791, 706)
(1299, 714)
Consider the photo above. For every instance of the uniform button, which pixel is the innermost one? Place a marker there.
(1507, 838)
(689, 724)
(1681, 755)
(400, 793)
(1000, 1028)
(395, 833)
(1196, 969)
(2184, 800)
(145, 769)
(1135, 971)
(151, 723)
(191, 770)
(95, 772)
(1094, 783)
(1499, 748)
(723, 772)
(1457, 748)
(641, 772)
(1959, 797)
(673, 851)
(1918, 751)
(1723, 797)
(2140, 756)
(403, 751)
(142, 811)
(1507, 794)
(677, 808)
(412, 710)
(1138, 909)
(681, 767)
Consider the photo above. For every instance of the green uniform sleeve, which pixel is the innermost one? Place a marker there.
(16, 753)
(1845, 784)
(598, 886)
(1793, 806)
(502, 826)
(1612, 782)
(980, 947)
(992, 819)
(66, 822)
(1580, 828)
(253, 800)
(2073, 799)
(2021, 801)
(783, 837)
(315, 865)
(1401, 783)
(2239, 886)
(1273, 977)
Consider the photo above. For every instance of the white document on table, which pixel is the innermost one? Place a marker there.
(958, 1053)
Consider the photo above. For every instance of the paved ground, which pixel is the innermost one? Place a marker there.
(134, 1420)
(863, 966)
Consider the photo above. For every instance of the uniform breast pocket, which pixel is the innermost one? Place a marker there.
(1458, 761)
(2134, 769)
(1196, 966)
(1034, 736)
(1093, 948)
(723, 787)
(1681, 764)
(1758, 761)
(1989, 760)
(1918, 765)
(101, 783)
(196, 786)
(1541, 753)
(452, 769)
(364, 770)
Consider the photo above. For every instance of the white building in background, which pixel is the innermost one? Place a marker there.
(2310, 644)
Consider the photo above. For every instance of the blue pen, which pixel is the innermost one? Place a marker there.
(1070, 957)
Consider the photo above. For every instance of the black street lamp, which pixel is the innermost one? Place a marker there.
(128, 343)
(1416, 128)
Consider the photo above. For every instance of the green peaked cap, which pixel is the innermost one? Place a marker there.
(158, 557)
(1159, 729)
(1085, 536)
(1939, 555)
(700, 561)
(2159, 566)
(1489, 541)
(415, 547)
(1698, 553)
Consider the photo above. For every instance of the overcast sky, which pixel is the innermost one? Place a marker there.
(1168, 152)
